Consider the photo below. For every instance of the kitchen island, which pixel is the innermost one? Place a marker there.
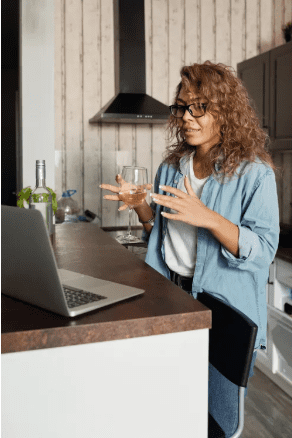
(137, 368)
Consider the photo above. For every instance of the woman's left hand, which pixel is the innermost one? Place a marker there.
(188, 206)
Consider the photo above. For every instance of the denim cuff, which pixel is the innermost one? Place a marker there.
(246, 241)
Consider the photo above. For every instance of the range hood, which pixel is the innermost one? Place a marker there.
(130, 104)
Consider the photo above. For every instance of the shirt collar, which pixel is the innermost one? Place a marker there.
(184, 162)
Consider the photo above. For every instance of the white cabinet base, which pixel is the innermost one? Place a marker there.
(271, 361)
(154, 386)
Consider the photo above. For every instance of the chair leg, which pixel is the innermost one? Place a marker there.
(239, 429)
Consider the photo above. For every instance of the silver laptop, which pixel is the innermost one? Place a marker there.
(30, 273)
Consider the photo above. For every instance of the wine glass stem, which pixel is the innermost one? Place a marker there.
(130, 222)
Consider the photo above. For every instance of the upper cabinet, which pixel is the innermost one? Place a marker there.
(255, 74)
(268, 79)
(281, 92)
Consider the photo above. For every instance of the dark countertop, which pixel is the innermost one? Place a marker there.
(85, 248)
(164, 308)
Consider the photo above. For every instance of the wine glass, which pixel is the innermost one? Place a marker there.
(132, 192)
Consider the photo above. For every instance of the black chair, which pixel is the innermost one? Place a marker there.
(231, 346)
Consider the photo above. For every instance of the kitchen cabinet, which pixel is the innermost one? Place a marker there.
(281, 93)
(267, 78)
(255, 73)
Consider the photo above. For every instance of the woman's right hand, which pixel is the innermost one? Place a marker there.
(123, 185)
(114, 189)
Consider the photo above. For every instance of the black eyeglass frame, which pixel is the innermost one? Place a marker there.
(187, 107)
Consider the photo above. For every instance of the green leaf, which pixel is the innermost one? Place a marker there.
(25, 193)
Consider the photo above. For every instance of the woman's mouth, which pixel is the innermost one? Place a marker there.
(188, 131)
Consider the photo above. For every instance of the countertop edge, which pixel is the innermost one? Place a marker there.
(102, 332)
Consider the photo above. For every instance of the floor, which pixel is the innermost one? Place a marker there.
(268, 409)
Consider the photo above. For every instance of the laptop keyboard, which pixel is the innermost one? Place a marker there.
(79, 297)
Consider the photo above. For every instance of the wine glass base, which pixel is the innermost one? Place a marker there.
(126, 238)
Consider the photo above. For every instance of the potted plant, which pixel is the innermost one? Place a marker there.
(287, 31)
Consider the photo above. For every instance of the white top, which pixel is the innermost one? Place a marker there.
(181, 238)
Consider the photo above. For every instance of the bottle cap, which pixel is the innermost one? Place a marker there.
(40, 162)
(68, 193)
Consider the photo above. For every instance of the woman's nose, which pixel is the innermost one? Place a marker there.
(187, 115)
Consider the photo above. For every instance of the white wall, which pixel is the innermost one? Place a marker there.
(37, 51)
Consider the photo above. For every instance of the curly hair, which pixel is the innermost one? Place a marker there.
(241, 137)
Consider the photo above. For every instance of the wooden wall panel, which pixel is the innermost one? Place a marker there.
(144, 132)
(177, 32)
(109, 133)
(278, 23)
(288, 11)
(144, 153)
(176, 50)
(266, 25)
(108, 173)
(148, 44)
(73, 73)
(91, 101)
(126, 149)
(208, 30)
(107, 84)
(192, 30)
(223, 46)
(160, 73)
(237, 32)
(251, 25)
(158, 148)
(160, 50)
(126, 144)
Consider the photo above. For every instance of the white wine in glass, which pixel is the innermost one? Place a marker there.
(132, 192)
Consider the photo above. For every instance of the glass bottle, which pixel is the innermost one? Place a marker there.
(41, 198)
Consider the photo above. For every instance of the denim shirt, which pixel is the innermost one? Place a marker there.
(248, 201)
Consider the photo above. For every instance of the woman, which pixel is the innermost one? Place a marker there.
(213, 224)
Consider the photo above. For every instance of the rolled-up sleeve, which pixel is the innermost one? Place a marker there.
(259, 228)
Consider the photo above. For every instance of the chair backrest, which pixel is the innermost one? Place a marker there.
(232, 339)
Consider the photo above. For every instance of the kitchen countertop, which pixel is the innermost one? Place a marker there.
(85, 248)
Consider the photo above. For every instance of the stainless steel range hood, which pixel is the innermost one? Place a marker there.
(130, 104)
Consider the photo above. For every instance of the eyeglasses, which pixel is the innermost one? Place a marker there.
(195, 109)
